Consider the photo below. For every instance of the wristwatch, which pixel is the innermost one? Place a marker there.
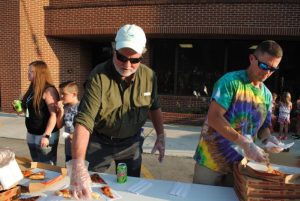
(47, 136)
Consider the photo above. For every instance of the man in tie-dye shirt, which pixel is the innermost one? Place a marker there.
(239, 112)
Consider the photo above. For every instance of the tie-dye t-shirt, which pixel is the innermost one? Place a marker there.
(248, 109)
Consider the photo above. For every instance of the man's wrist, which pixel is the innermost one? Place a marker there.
(45, 135)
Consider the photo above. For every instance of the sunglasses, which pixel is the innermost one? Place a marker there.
(124, 59)
(265, 66)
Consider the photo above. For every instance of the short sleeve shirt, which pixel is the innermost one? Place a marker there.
(112, 107)
(248, 109)
(70, 112)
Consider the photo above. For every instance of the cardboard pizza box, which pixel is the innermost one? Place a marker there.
(282, 173)
(54, 174)
(10, 194)
(10, 175)
(243, 197)
(264, 190)
(250, 182)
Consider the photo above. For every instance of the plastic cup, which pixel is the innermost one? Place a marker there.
(17, 105)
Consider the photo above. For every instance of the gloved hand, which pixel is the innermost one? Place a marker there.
(251, 150)
(275, 149)
(160, 146)
(80, 183)
(6, 155)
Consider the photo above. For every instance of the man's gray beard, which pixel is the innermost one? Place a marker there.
(121, 73)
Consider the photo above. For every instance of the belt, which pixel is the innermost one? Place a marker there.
(114, 139)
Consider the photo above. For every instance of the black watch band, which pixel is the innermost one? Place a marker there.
(46, 136)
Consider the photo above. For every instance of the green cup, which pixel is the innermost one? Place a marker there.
(17, 105)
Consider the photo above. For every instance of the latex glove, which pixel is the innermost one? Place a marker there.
(273, 140)
(44, 142)
(6, 155)
(251, 150)
(160, 146)
(80, 183)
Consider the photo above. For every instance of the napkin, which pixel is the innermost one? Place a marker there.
(140, 187)
(180, 189)
(10, 174)
(280, 145)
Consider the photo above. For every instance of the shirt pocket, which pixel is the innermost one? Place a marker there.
(143, 99)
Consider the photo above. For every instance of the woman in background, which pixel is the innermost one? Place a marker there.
(274, 112)
(285, 107)
(40, 118)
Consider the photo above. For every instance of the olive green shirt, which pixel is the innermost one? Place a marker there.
(113, 107)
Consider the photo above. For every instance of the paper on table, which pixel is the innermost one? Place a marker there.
(180, 189)
(140, 187)
(281, 145)
(282, 168)
(10, 174)
(49, 175)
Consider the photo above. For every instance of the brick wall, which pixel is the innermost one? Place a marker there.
(51, 30)
(169, 19)
(10, 79)
(184, 109)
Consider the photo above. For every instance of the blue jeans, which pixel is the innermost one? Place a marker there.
(102, 151)
(43, 154)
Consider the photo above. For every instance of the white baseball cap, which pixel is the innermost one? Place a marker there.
(131, 36)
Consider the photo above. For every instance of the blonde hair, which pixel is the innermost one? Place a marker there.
(70, 86)
(41, 80)
(286, 98)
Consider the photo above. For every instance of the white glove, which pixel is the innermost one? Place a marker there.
(275, 149)
(80, 183)
(6, 156)
(160, 146)
(251, 150)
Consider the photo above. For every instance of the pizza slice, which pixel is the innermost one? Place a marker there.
(38, 176)
(27, 173)
(34, 198)
(66, 193)
(96, 178)
(273, 171)
(107, 191)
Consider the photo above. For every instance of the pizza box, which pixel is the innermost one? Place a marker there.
(285, 174)
(250, 182)
(243, 197)
(252, 187)
(10, 175)
(53, 174)
(253, 183)
(10, 194)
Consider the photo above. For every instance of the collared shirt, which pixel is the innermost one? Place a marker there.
(112, 107)
(247, 110)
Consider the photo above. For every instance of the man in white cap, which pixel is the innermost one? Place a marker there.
(119, 94)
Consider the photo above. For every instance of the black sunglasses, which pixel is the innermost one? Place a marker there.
(265, 66)
(124, 59)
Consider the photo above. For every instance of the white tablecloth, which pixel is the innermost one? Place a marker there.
(159, 191)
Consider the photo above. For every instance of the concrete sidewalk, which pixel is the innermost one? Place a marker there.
(181, 139)
(178, 164)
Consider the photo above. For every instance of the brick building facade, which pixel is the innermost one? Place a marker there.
(63, 33)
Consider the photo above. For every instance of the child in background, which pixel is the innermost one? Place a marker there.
(285, 107)
(297, 135)
(67, 108)
(274, 112)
